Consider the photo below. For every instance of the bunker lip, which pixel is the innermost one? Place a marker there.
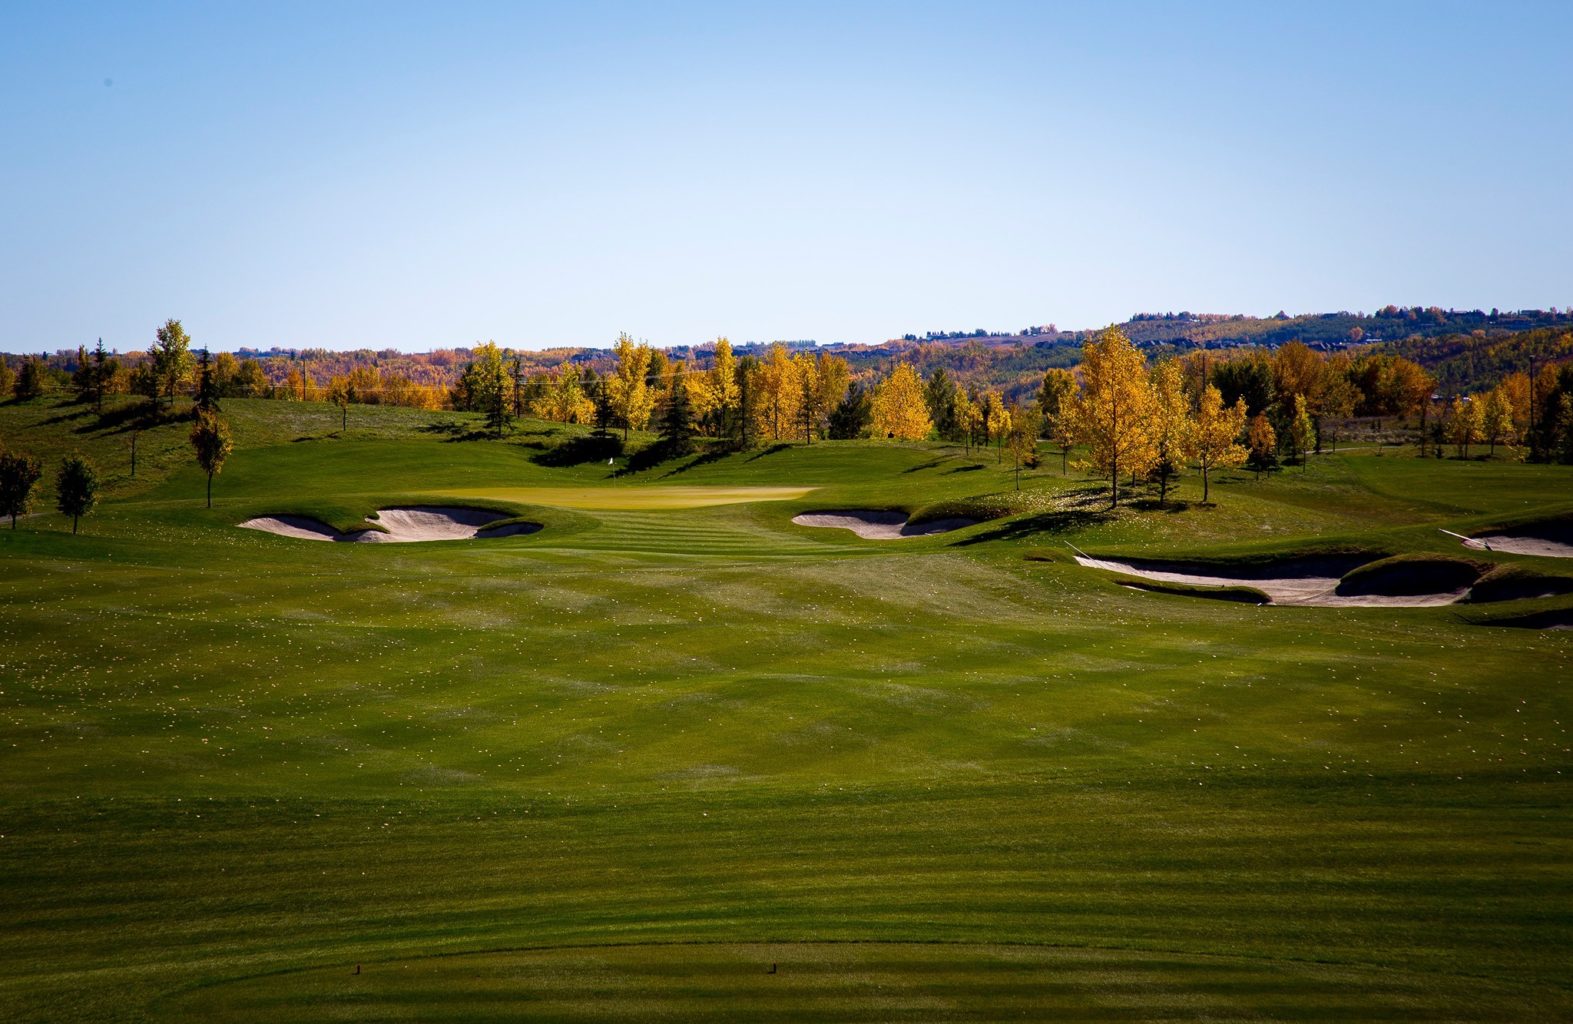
(1307, 582)
(1549, 540)
(405, 524)
(880, 524)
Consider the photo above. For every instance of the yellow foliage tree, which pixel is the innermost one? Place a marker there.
(629, 389)
(1218, 432)
(713, 395)
(778, 394)
(899, 410)
(996, 419)
(1173, 429)
(1114, 412)
(1463, 425)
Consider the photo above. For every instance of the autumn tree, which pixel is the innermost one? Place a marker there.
(7, 378)
(18, 474)
(340, 394)
(806, 373)
(832, 377)
(778, 393)
(996, 420)
(1302, 432)
(76, 488)
(171, 356)
(969, 417)
(1022, 440)
(1173, 429)
(713, 393)
(225, 367)
(1496, 419)
(629, 386)
(1113, 412)
(1263, 442)
(898, 408)
(211, 441)
(1218, 431)
(1463, 425)
(1339, 397)
(1054, 400)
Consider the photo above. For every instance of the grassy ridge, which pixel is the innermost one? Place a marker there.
(229, 755)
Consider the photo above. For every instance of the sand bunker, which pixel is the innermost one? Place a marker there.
(874, 525)
(1308, 583)
(404, 525)
(1518, 544)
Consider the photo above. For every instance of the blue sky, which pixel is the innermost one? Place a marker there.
(384, 175)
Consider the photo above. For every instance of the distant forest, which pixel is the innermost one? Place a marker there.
(1466, 350)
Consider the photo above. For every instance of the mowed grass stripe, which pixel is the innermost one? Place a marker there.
(633, 498)
(852, 982)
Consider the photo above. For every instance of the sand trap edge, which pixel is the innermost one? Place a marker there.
(880, 524)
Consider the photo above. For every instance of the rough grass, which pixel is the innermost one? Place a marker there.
(235, 765)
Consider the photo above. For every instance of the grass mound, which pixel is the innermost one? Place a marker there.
(1516, 583)
(1241, 595)
(1407, 575)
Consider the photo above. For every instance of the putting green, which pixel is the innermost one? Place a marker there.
(630, 499)
(847, 982)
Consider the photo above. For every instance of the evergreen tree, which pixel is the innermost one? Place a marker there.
(939, 395)
(852, 415)
(677, 421)
(206, 399)
(82, 378)
(30, 382)
(76, 488)
(103, 372)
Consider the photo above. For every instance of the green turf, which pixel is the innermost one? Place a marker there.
(948, 777)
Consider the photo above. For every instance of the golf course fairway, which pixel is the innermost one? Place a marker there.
(621, 766)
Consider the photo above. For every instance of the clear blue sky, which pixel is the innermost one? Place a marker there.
(425, 176)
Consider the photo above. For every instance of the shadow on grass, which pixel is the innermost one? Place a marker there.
(126, 418)
(1171, 506)
(576, 451)
(1043, 522)
(714, 453)
(779, 446)
(930, 464)
(974, 467)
